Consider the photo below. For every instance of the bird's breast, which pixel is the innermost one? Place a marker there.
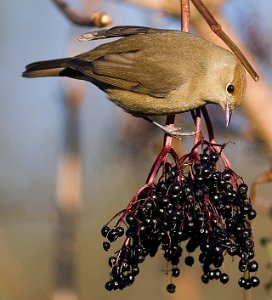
(175, 102)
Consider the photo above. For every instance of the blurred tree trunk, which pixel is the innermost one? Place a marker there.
(68, 194)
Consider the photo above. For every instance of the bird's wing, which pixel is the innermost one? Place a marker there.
(117, 31)
(144, 70)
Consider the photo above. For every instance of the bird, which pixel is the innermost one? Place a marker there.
(150, 71)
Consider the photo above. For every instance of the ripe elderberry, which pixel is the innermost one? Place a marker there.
(175, 272)
(189, 261)
(198, 202)
(171, 288)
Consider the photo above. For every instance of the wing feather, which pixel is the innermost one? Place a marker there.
(138, 70)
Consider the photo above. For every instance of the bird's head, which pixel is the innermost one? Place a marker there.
(233, 83)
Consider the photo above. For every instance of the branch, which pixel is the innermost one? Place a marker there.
(217, 29)
(97, 19)
(171, 7)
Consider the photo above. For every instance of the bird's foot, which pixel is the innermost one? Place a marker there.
(175, 132)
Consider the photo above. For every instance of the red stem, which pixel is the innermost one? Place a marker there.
(185, 21)
(208, 124)
(170, 120)
(211, 135)
(185, 15)
(155, 168)
(197, 119)
(132, 201)
(198, 136)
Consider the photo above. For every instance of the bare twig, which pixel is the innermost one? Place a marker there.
(217, 29)
(97, 19)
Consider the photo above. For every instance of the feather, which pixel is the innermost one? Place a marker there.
(117, 31)
(46, 68)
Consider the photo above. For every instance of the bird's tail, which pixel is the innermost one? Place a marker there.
(46, 68)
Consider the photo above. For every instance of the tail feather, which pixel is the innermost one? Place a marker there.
(46, 68)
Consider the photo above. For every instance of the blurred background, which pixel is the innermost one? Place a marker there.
(70, 159)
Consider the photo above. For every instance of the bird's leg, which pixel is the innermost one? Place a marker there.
(172, 131)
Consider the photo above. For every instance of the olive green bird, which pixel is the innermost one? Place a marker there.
(154, 71)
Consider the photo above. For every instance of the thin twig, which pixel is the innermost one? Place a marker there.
(217, 29)
(97, 19)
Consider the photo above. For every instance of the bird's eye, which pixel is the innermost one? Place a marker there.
(230, 88)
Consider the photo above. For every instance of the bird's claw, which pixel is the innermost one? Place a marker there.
(177, 132)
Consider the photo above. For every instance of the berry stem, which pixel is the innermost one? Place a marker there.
(208, 124)
(211, 135)
(117, 214)
(196, 114)
(170, 120)
(158, 162)
(185, 15)
(147, 185)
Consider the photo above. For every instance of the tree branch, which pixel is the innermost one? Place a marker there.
(217, 29)
(97, 19)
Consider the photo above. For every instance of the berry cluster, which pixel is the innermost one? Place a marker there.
(193, 204)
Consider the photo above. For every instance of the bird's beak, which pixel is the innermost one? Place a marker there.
(228, 113)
